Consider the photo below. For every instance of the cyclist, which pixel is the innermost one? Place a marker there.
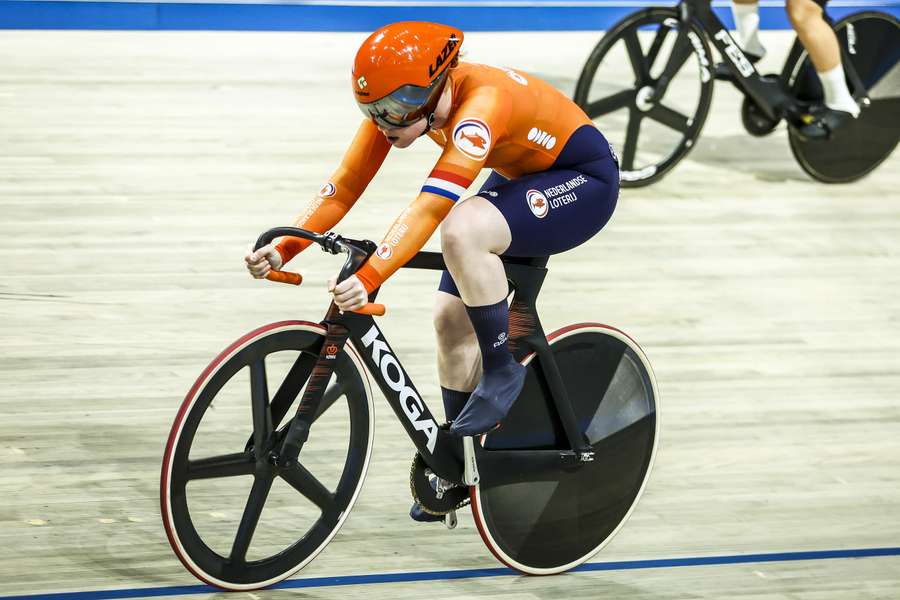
(820, 41)
(554, 184)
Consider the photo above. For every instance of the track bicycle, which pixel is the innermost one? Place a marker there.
(656, 117)
(547, 490)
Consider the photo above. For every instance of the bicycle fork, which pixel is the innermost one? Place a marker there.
(308, 409)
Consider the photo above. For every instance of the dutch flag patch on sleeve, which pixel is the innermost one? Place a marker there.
(446, 184)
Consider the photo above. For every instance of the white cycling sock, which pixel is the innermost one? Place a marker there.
(837, 95)
(746, 17)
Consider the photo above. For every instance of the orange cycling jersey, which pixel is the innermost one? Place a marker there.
(500, 119)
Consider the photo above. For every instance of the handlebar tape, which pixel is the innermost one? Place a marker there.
(376, 310)
(285, 277)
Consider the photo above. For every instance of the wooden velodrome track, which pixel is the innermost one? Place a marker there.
(136, 167)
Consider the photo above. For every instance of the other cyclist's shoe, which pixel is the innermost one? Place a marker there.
(491, 400)
(418, 513)
(822, 122)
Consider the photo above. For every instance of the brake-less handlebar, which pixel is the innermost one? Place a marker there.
(357, 252)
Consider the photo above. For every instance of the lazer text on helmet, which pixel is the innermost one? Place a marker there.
(396, 380)
(443, 56)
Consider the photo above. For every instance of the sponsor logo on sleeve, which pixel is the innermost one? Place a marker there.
(537, 203)
(384, 252)
(327, 190)
(311, 209)
(472, 137)
(398, 230)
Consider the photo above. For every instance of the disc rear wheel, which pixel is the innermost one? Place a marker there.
(870, 42)
(544, 521)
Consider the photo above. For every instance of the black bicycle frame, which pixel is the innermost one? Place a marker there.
(440, 450)
(770, 94)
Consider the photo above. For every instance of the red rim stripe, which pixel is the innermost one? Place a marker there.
(182, 412)
(476, 508)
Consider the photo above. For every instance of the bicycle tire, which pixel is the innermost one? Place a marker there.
(570, 515)
(871, 41)
(232, 572)
(644, 162)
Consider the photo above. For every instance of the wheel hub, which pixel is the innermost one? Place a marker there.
(642, 99)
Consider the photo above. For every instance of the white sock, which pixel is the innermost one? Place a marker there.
(837, 95)
(746, 17)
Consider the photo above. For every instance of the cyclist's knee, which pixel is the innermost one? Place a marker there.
(454, 234)
(470, 227)
(800, 12)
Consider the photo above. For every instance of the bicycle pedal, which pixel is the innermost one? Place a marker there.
(450, 520)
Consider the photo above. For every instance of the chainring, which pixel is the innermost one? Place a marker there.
(423, 483)
(755, 121)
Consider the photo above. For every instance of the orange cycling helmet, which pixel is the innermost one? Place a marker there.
(400, 71)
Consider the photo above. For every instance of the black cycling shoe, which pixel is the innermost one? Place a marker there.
(821, 123)
(491, 400)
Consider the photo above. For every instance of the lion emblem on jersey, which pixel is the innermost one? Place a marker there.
(472, 137)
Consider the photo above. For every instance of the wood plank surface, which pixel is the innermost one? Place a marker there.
(135, 167)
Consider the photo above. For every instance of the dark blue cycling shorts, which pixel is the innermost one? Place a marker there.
(560, 208)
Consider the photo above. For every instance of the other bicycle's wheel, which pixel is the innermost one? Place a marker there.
(871, 43)
(618, 89)
(550, 522)
(233, 518)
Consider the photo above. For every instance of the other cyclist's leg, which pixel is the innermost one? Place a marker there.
(820, 41)
(746, 20)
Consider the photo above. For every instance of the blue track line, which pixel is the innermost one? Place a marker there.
(625, 565)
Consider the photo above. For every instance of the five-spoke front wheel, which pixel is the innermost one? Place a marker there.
(648, 86)
(235, 517)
